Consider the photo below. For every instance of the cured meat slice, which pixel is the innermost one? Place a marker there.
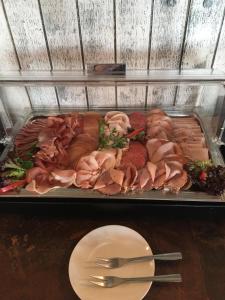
(110, 182)
(162, 151)
(81, 145)
(129, 177)
(194, 153)
(111, 189)
(159, 125)
(28, 136)
(91, 124)
(90, 167)
(41, 181)
(153, 144)
(136, 155)
(118, 120)
(177, 182)
(137, 120)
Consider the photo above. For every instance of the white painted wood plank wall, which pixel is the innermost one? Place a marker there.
(145, 34)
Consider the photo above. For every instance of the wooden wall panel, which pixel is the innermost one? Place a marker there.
(61, 25)
(73, 97)
(101, 97)
(133, 21)
(27, 31)
(68, 34)
(13, 98)
(133, 25)
(167, 34)
(166, 46)
(8, 62)
(162, 96)
(131, 96)
(203, 28)
(43, 97)
(219, 62)
(97, 32)
(7, 54)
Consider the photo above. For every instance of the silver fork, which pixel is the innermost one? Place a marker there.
(111, 281)
(116, 262)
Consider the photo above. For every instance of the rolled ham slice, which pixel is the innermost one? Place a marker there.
(118, 120)
(41, 181)
(90, 167)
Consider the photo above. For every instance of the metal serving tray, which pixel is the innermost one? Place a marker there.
(151, 196)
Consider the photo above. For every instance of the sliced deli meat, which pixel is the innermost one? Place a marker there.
(118, 120)
(136, 155)
(90, 167)
(137, 120)
(112, 153)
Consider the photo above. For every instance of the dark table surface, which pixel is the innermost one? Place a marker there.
(36, 244)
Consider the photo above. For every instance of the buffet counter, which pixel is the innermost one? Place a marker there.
(35, 248)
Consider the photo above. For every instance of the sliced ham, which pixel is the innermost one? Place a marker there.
(111, 189)
(163, 150)
(194, 153)
(159, 181)
(129, 177)
(103, 180)
(159, 125)
(41, 181)
(153, 144)
(177, 182)
(118, 120)
(151, 169)
(110, 182)
(187, 132)
(90, 167)
(144, 178)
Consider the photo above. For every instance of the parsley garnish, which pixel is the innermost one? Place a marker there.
(113, 140)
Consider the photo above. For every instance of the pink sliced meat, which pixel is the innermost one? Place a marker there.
(111, 189)
(130, 176)
(177, 182)
(197, 153)
(152, 146)
(162, 151)
(159, 181)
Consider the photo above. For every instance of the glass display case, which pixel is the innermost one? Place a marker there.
(179, 96)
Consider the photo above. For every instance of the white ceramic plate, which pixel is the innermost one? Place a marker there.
(110, 241)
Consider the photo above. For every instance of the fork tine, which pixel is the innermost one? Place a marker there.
(99, 283)
(102, 265)
(103, 259)
(98, 277)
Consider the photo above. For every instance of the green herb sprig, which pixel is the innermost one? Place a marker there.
(113, 140)
(16, 168)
